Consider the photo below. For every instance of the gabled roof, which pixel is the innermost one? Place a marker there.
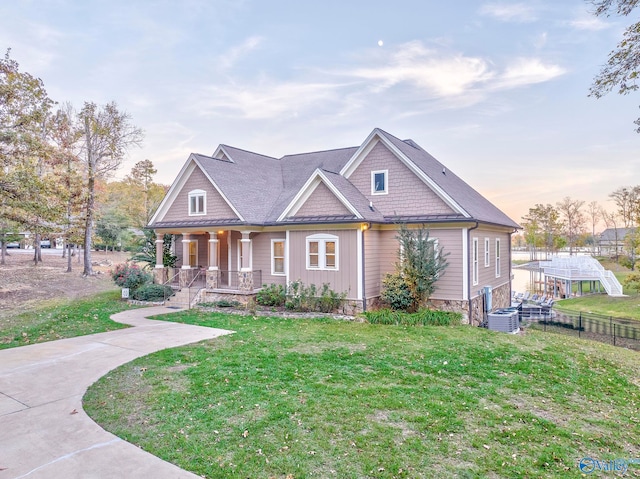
(611, 234)
(265, 190)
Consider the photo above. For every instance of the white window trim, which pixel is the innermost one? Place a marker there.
(497, 258)
(273, 258)
(386, 182)
(474, 262)
(322, 240)
(239, 253)
(195, 194)
(487, 252)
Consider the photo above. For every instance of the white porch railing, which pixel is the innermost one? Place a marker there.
(582, 268)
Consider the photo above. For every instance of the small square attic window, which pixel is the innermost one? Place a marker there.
(379, 182)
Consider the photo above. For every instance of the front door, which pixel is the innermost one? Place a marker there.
(193, 253)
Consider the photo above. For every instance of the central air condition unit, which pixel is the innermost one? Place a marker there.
(506, 320)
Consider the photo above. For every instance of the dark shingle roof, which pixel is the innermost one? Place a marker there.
(260, 187)
(476, 205)
(610, 234)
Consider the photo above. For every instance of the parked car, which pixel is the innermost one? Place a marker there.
(13, 244)
(45, 244)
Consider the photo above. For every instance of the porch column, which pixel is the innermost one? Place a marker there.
(160, 274)
(213, 250)
(245, 244)
(185, 251)
(159, 258)
(212, 272)
(245, 275)
(185, 277)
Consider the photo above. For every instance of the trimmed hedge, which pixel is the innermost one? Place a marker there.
(424, 317)
(272, 295)
(152, 292)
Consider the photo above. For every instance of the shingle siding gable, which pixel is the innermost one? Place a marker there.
(408, 195)
(322, 202)
(217, 207)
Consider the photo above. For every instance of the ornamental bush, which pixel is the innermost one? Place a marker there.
(152, 292)
(129, 275)
(396, 292)
(420, 264)
(272, 295)
(309, 298)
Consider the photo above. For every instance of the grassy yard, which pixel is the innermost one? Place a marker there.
(293, 398)
(62, 319)
(626, 307)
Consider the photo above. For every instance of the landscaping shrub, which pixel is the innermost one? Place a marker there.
(424, 317)
(127, 275)
(632, 282)
(152, 292)
(272, 295)
(420, 264)
(396, 293)
(308, 298)
(628, 262)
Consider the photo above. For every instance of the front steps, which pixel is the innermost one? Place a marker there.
(179, 300)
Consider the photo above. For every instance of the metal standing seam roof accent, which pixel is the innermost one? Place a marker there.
(320, 219)
(190, 223)
(426, 218)
(260, 187)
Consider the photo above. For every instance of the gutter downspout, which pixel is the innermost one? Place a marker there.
(511, 265)
(469, 243)
(364, 276)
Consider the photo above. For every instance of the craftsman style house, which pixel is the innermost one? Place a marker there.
(242, 220)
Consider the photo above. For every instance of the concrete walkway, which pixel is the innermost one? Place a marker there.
(45, 433)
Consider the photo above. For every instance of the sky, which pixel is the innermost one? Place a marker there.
(496, 91)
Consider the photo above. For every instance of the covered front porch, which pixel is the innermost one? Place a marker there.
(218, 261)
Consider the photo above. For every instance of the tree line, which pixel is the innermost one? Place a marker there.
(571, 224)
(55, 163)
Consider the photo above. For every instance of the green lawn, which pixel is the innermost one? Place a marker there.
(625, 307)
(297, 398)
(62, 319)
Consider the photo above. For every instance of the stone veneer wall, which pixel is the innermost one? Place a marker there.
(501, 298)
(160, 275)
(212, 297)
(456, 306)
(245, 280)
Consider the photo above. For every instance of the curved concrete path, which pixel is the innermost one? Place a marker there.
(45, 433)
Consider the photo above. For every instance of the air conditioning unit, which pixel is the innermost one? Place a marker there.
(505, 320)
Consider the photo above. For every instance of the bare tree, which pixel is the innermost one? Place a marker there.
(611, 221)
(594, 213)
(627, 199)
(542, 229)
(107, 136)
(573, 219)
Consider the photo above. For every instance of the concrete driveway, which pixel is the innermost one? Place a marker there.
(45, 433)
